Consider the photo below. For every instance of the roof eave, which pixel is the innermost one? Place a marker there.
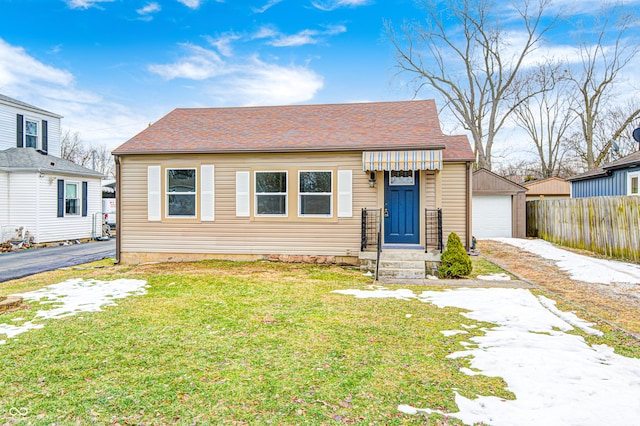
(279, 150)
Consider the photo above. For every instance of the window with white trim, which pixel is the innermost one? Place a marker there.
(31, 133)
(71, 199)
(271, 193)
(180, 194)
(633, 183)
(315, 194)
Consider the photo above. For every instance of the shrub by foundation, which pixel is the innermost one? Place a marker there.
(454, 262)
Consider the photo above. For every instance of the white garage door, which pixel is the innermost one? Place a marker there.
(491, 216)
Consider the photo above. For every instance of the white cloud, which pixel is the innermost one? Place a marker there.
(27, 79)
(266, 7)
(86, 4)
(223, 43)
(262, 83)
(248, 81)
(17, 67)
(329, 5)
(149, 9)
(301, 38)
(192, 4)
(201, 64)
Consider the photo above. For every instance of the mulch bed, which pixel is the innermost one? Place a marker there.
(616, 304)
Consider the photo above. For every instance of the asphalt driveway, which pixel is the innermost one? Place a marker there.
(28, 262)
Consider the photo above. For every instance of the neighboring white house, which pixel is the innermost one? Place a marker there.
(52, 198)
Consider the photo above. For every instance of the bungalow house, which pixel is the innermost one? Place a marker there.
(40, 193)
(619, 177)
(315, 181)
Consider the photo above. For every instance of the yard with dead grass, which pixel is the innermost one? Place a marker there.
(244, 343)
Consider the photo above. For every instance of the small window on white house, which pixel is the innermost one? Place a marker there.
(71, 199)
(181, 193)
(271, 193)
(315, 195)
(633, 183)
(30, 133)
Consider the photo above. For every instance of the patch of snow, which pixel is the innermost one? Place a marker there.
(495, 277)
(569, 317)
(581, 268)
(432, 277)
(557, 377)
(72, 297)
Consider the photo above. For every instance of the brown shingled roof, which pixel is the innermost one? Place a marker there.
(297, 128)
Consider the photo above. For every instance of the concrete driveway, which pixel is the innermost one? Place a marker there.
(28, 262)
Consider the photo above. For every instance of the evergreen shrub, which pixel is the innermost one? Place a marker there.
(454, 261)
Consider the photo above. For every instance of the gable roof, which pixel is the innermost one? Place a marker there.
(16, 103)
(300, 128)
(31, 160)
(631, 160)
(553, 185)
(485, 182)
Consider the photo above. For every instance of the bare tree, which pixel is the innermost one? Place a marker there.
(95, 157)
(546, 117)
(603, 54)
(465, 54)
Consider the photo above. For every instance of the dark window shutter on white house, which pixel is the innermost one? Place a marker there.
(60, 198)
(45, 136)
(20, 131)
(85, 201)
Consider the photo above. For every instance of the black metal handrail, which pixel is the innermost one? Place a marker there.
(379, 247)
(433, 229)
(370, 228)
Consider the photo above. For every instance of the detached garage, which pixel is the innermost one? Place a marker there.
(499, 208)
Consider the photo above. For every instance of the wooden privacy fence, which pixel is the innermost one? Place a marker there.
(606, 225)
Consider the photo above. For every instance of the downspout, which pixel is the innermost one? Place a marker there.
(468, 207)
(118, 210)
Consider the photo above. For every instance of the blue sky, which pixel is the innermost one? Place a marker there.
(110, 67)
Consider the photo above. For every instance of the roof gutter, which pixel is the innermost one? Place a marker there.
(280, 150)
(49, 171)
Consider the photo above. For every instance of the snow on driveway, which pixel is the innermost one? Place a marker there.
(557, 378)
(72, 297)
(581, 268)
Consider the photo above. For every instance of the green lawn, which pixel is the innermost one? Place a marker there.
(239, 343)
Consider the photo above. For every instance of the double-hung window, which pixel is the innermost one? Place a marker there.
(271, 193)
(633, 183)
(71, 199)
(30, 133)
(315, 195)
(181, 193)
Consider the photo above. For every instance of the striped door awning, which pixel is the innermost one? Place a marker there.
(402, 160)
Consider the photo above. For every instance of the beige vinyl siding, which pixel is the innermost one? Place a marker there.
(454, 200)
(430, 190)
(230, 234)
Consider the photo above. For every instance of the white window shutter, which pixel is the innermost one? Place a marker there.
(154, 197)
(207, 193)
(242, 194)
(345, 208)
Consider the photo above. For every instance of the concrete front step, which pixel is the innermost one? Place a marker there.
(404, 255)
(401, 273)
(401, 264)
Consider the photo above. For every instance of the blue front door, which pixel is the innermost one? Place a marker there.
(401, 207)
